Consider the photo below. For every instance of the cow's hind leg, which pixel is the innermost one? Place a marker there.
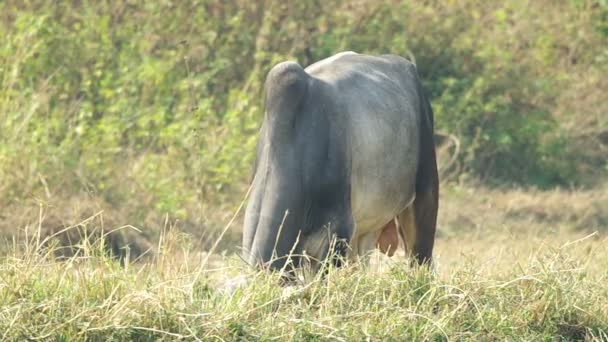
(417, 223)
(406, 228)
(420, 219)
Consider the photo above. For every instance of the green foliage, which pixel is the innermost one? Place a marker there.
(158, 104)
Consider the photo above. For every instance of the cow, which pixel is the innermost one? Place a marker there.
(345, 155)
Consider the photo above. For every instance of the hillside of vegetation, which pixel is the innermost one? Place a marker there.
(146, 113)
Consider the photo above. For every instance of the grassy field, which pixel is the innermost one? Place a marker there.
(129, 127)
(510, 265)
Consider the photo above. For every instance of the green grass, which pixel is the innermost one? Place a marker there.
(551, 291)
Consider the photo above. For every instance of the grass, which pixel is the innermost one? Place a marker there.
(513, 277)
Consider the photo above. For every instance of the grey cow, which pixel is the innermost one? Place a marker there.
(346, 146)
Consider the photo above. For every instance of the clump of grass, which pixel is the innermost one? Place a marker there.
(180, 294)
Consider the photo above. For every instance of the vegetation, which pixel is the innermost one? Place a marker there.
(123, 120)
(505, 280)
(523, 292)
(527, 271)
(155, 107)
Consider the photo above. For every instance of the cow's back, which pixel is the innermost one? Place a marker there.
(375, 101)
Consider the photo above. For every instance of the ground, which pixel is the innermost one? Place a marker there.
(509, 264)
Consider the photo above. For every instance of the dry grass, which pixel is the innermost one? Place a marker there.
(503, 271)
(553, 294)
